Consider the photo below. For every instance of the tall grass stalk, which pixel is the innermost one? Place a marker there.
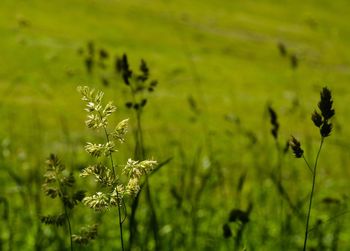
(139, 85)
(322, 121)
(120, 222)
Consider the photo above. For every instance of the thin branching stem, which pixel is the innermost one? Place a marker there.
(308, 165)
(311, 195)
(119, 209)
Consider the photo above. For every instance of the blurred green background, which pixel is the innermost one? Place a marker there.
(219, 65)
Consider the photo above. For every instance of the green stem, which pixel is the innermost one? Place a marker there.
(280, 183)
(308, 165)
(311, 195)
(140, 137)
(65, 211)
(69, 226)
(119, 210)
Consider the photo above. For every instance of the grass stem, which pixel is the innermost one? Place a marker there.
(69, 227)
(119, 209)
(311, 195)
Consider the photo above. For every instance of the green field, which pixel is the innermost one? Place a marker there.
(219, 67)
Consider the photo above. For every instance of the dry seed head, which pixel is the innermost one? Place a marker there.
(98, 150)
(120, 131)
(98, 201)
(117, 195)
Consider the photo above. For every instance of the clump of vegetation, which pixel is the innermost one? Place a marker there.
(59, 183)
(86, 235)
(239, 219)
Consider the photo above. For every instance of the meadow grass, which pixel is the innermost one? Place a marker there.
(225, 58)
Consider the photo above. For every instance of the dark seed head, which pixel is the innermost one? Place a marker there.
(326, 129)
(103, 54)
(274, 122)
(326, 103)
(143, 102)
(122, 65)
(226, 231)
(105, 81)
(89, 64)
(129, 104)
(296, 147)
(317, 119)
(282, 49)
(239, 215)
(294, 61)
(144, 69)
(153, 83)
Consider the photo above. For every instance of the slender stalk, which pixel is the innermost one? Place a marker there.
(308, 165)
(65, 213)
(140, 137)
(140, 155)
(114, 175)
(69, 227)
(280, 183)
(119, 210)
(311, 195)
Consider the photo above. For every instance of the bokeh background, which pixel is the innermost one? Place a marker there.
(219, 66)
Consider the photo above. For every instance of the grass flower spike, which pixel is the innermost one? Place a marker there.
(296, 147)
(113, 190)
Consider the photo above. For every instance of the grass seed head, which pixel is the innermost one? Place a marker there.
(326, 129)
(317, 119)
(227, 232)
(282, 49)
(274, 122)
(296, 147)
(326, 103)
(327, 112)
